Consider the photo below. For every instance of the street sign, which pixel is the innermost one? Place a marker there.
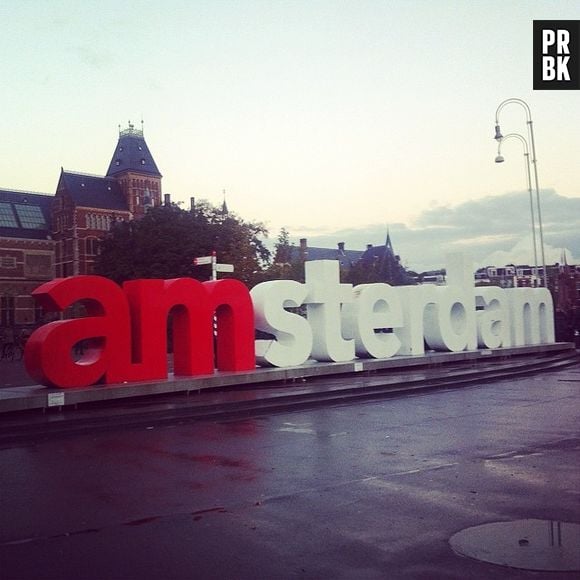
(224, 267)
(215, 267)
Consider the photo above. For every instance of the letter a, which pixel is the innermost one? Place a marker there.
(48, 356)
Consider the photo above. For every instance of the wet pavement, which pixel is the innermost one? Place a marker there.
(353, 491)
(526, 544)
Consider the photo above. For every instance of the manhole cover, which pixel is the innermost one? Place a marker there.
(527, 544)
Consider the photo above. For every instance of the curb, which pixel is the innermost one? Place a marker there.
(271, 398)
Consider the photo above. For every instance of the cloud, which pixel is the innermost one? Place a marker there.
(523, 253)
(494, 230)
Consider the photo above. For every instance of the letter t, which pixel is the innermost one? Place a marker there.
(324, 299)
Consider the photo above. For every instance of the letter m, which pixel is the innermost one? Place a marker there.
(532, 315)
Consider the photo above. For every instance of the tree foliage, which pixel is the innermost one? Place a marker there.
(165, 241)
(287, 264)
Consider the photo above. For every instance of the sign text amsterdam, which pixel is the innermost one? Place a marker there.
(127, 326)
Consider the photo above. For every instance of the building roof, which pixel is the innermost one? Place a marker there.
(24, 214)
(132, 154)
(379, 252)
(93, 191)
(343, 256)
(309, 253)
(386, 263)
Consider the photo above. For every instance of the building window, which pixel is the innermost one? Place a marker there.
(7, 217)
(38, 265)
(92, 245)
(7, 311)
(30, 216)
(7, 262)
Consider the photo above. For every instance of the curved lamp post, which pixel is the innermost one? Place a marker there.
(500, 159)
(499, 137)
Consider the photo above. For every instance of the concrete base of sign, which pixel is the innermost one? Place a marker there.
(404, 370)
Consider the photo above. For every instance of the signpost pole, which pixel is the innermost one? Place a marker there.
(213, 266)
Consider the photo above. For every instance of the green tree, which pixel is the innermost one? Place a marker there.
(165, 241)
(287, 264)
(284, 248)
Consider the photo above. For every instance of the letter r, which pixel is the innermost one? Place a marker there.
(563, 41)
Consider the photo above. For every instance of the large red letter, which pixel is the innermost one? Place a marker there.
(150, 302)
(148, 330)
(193, 305)
(48, 354)
(231, 302)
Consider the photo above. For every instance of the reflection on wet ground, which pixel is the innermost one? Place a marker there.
(528, 544)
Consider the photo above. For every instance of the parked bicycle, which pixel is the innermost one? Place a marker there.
(12, 344)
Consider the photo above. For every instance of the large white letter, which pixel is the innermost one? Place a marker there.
(493, 317)
(532, 315)
(450, 322)
(442, 316)
(375, 307)
(413, 300)
(325, 296)
(293, 335)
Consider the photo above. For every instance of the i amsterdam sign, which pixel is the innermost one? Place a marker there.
(126, 327)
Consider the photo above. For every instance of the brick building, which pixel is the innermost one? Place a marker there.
(26, 253)
(43, 236)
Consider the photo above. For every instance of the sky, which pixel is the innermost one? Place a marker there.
(334, 119)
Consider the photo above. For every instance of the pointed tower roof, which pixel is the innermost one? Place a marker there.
(386, 263)
(225, 205)
(132, 154)
(388, 243)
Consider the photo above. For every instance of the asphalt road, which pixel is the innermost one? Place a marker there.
(356, 491)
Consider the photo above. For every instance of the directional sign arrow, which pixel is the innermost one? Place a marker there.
(224, 267)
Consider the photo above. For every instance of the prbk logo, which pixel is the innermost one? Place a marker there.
(556, 55)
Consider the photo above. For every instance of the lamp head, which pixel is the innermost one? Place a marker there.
(499, 159)
(498, 135)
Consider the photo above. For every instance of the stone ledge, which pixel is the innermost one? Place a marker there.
(38, 397)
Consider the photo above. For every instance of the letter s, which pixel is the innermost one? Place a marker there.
(293, 342)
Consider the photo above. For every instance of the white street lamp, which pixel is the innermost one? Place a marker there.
(498, 137)
(500, 159)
